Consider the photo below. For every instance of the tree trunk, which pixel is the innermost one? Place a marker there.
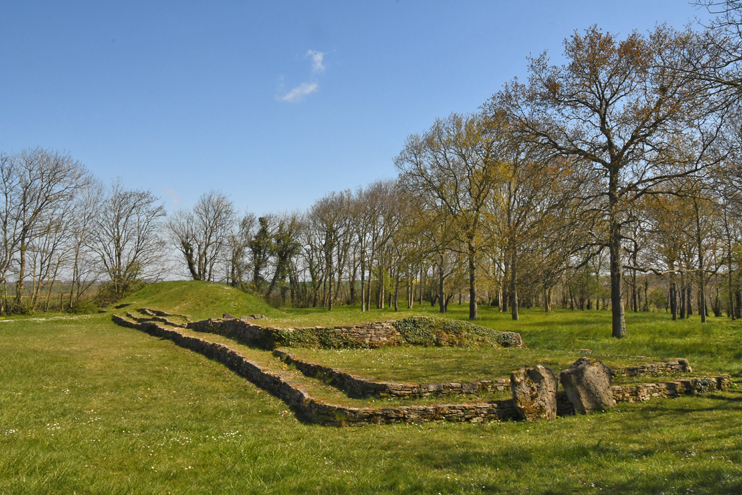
(396, 291)
(618, 322)
(701, 277)
(441, 296)
(732, 313)
(673, 295)
(423, 271)
(21, 275)
(689, 302)
(473, 315)
(363, 285)
(634, 291)
(513, 282)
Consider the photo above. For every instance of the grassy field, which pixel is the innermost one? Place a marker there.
(90, 407)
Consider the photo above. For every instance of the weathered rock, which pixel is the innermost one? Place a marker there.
(255, 317)
(534, 392)
(588, 385)
(228, 316)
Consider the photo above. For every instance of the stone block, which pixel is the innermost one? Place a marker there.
(588, 385)
(534, 392)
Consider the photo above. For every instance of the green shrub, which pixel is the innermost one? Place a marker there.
(427, 331)
(86, 306)
(324, 338)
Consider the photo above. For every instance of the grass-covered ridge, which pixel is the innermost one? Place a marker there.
(199, 300)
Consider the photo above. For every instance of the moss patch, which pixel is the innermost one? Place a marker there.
(440, 332)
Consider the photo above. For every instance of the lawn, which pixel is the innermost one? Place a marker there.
(90, 407)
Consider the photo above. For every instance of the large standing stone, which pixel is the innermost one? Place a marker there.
(534, 392)
(588, 385)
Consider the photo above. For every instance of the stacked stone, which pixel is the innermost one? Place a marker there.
(646, 391)
(239, 329)
(676, 366)
(359, 387)
(373, 334)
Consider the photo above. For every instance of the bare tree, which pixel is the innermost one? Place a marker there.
(45, 181)
(238, 242)
(126, 237)
(84, 270)
(202, 235)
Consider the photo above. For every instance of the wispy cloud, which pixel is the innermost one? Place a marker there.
(174, 198)
(317, 58)
(299, 92)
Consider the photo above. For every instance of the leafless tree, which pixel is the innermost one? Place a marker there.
(238, 241)
(45, 181)
(83, 267)
(126, 237)
(202, 235)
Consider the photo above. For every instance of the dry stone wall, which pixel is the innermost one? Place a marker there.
(318, 411)
(356, 386)
(672, 366)
(244, 330)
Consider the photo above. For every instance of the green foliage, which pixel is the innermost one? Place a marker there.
(427, 331)
(83, 306)
(261, 246)
(107, 293)
(322, 338)
(22, 309)
(657, 298)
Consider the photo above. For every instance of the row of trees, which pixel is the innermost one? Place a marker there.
(591, 156)
(59, 224)
(620, 164)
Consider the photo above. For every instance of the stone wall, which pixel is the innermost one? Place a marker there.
(359, 387)
(675, 365)
(375, 334)
(317, 411)
(243, 330)
(646, 391)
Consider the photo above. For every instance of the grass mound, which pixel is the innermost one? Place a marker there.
(199, 300)
(440, 332)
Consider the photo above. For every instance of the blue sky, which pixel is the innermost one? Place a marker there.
(275, 103)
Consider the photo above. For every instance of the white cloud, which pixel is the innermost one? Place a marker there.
(172, 195)
(300, 91)
(317, 59)
(305, 88)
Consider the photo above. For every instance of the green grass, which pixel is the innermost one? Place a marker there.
(90, 407)
(199, 300)
(450, 364)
